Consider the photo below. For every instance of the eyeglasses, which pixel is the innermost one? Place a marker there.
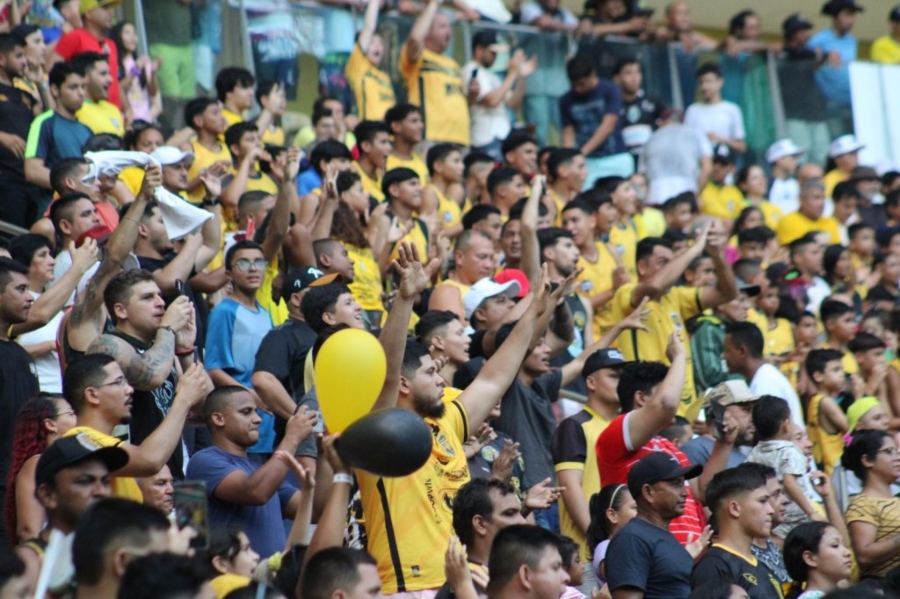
(66, 413)
(891, 451)
(119, 382)
(244, 264)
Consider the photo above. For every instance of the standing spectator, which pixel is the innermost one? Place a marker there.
(739, 500)
(574, 458)
(719, 119)
(207, 42)
(204, 116)
(433, 80)
(96, 16)
(371, 86)
(158, 490)
(140, 76)
(784, 190)
(56, 135)
(97, 113)
(743, 354)
(678, 28)
(641, 114)
(644, 557)
(839, 47)
(237, 326)
(242, 491)
(473, 256)
(235, 90)
(407, 127)
(18, 375)
(18, 108)
(677, 158)
(168, 25)
(886, 49)
(33, 78)
(808, 217)
(590, 116)
(496, 98)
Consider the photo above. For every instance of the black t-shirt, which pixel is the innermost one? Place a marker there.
(18, 384)
(648, 558)
(282, 353)
(16, 114)
(527, 416)
(476, 347)
(580, 318)
(643, 110)
(149, 408)
(200, 310)
(752, 576)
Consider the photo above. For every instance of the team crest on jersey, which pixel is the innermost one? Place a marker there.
(444, 443)
(586, 286)
(750, 578)
(489, 453)
(580, 319)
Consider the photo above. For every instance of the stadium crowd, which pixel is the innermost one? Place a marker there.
(650, 365)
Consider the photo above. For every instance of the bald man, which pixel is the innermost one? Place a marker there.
(473, 257)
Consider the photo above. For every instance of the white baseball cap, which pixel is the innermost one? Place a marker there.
(169, 155)
(845, 144)
(782, 149)
(485, 289)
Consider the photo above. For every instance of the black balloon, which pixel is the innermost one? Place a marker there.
(390, 442)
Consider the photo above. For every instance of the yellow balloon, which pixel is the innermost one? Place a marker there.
(350, 370)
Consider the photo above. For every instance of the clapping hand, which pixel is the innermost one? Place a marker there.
(414, 276)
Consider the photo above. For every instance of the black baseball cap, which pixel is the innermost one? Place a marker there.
(894, 15)
(723, 153)
(834, 7)
(603, 358)
(303, 278)
(487, 39)
(795, 23)
(68, 451)
(658, 466)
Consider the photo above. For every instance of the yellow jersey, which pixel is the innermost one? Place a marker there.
(779, 340)
(885, 50)
(231, 118)
(832, 178)
(417, 236)
(461, 287)
(721, 201)
(573, 449)
(203, 159)
(596, 277)
(415, 163)
(667, 315)
(370, 186)
(372, 87)
(650, 223)
(256, 181)
(133, 178)
(101, 117)
(448, 210)
(827, 448)
(123, 487)
(558, 204)
(278, 311)
(434, 84)
(366, 286)
(772, 214)
(409, 517)
(623, 238)
(795, 225)
(273, 135)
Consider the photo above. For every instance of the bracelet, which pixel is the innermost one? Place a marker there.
(340, 477)
(186, 352)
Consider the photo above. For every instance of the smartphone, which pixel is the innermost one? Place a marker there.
(474, 73)
(718, 416)
(179, 287)
(320, 423)
(192, 509)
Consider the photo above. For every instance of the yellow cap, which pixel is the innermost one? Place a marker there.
(87, 5)
(858, 409)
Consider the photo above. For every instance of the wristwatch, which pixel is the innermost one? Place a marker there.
(211, 201)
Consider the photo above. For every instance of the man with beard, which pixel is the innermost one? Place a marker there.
(424, 499)
(71, 475)
(97, 112)
(474, 259)
(152, 346)
(96, 388)
(733, 410)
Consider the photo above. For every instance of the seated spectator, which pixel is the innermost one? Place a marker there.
(548, 15)
(374, 144)
(644, 557)
(246, 149)
(407, 127)
(886, 49)
(231, 557)
(740, 502)
(98, 113)
(327, 154)
(765, 549)
(235, 89)
(721, 121)
(737, 402)
(505, 186)
(204, 117)
(13, 578)
(403, 195)
(754, 185)
(339, 570)
(566, 174)
(809, 217)
(445, 171)
(590, 116)
(474, 260)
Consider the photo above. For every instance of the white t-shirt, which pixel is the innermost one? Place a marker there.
(488, 123)
(768, 380)
(48, 371)
(785, 194)
(723, 118)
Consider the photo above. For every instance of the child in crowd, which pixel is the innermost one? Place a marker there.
(839, 320)
(778, 334)
(140, 82)
(826, 420)
(445, 168)
(700, 272)
(571, 563)
(611, 509)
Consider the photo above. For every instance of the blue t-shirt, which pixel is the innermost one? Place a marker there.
(648, 558)
(233, 334)
(263, 524)
(835, 82)
(307, 181)
(585, 113)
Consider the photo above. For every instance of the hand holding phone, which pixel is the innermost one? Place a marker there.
(192, 509)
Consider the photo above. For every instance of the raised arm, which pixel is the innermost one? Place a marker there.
(531, 251)
(726, 286)
(659, 411)
(416, 40)
(370, 24)
(281, 214)
(414, 278)
(333, 521)
(669, 274)
(149, 457)
(499, 372)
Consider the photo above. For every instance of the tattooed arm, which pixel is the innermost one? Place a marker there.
(145, 371)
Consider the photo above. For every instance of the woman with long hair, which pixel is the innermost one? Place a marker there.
(610, 509)
(873, 516)
(139, 80)
(41, 421)
(816, 559)
(754, 184)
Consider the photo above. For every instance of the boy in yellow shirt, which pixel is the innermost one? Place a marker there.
(445, 168)
(825, 420)
(246, 148)
(407, 127)
(234, 89)
(373, 139)
(839, 320)
(624, 234)
(204, 116)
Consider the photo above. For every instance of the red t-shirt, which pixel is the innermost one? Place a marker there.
(78, 41)
(616, 456)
